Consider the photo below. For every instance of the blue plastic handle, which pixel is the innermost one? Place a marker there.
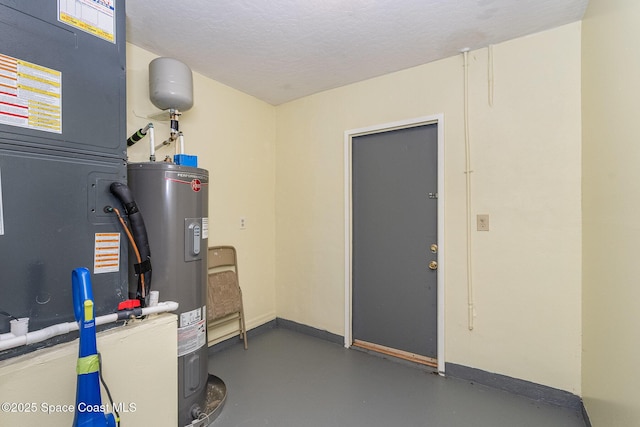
(81, 288)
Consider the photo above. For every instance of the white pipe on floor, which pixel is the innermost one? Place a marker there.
(65, 328)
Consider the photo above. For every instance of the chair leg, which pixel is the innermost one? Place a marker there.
(243, 328)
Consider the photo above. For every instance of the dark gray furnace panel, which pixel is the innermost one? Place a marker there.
(54, 180)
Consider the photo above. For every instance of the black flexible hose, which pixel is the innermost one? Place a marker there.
(139, 231)
(4, 313)
(136, 137)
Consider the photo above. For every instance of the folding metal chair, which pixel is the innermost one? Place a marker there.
(224, 296)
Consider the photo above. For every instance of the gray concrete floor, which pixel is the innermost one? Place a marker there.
(288, 379)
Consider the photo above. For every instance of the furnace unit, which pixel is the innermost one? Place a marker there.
(62, 143)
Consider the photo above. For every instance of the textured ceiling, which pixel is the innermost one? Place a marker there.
(280, 50)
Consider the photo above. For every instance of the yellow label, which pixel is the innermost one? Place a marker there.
(88, 310)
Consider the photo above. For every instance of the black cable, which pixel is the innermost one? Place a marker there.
(104, 384)
(139, 231)
(4, 313)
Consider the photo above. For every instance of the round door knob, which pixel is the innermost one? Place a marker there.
(433, 265)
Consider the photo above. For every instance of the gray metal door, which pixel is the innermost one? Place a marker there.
(394, 188)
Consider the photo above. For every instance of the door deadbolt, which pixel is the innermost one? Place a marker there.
(433, 265)
(434, 248)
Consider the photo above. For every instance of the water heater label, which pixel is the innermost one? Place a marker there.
(106, 257)
(96, 17)
(205, 228)
(30, 95)
(192, 333)
(190, 317)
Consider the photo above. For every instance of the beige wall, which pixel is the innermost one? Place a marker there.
(526, 176)
(611, 207)
(233, 135)
(139, 367)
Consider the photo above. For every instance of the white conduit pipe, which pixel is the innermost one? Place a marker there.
(65, 328)
(152, 143)
(465, 54)
(181, 145)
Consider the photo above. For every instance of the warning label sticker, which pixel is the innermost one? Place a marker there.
(190, 317)
(106, 257)
(192, 333)
(95, 17)
(30, 95)
(205, 228)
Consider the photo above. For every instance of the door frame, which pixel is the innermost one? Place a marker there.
(437, 119)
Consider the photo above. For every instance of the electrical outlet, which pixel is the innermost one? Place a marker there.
(483, 222)
(243, 223)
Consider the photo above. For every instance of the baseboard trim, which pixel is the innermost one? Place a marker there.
(259, 321)
(230, 342)
(278, 323)
(308, 330)
(585, 415)
(516, 386)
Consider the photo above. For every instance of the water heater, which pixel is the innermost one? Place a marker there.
(174, 202)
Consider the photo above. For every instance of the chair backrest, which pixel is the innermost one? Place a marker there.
(222, 256)
(224, 294)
